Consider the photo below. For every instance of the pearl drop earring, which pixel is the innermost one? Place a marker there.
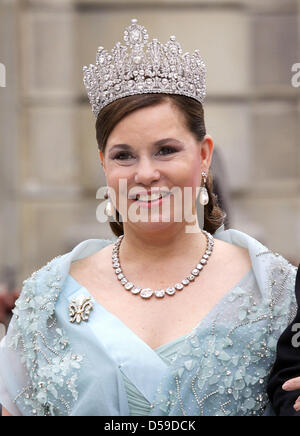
(109, 210)
(203, 196)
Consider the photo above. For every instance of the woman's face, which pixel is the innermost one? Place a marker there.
(152, 148)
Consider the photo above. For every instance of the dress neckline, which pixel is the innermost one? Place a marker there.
(180, 338)
(232, 236)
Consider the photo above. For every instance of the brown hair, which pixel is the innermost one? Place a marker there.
(111, 114)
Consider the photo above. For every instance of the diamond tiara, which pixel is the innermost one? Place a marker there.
(148, 67)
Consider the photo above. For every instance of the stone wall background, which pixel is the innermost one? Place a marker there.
(49, 164)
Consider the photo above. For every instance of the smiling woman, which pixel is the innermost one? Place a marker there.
(158, 321)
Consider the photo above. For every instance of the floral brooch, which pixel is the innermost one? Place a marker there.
(80, 308)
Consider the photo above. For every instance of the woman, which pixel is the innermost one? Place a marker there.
(145, 335)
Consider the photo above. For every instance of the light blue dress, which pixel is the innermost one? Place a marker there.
(50, 366)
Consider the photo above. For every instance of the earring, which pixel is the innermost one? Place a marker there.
(203, 196)
(109, 210)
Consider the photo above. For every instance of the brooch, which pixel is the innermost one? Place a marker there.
(80, 309)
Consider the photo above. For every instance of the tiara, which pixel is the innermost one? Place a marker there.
(148, 67)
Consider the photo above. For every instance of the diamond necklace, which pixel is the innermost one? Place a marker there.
(160, 293)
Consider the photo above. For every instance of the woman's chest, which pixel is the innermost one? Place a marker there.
(158, 321)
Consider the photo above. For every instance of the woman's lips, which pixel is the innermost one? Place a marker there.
(149, 204)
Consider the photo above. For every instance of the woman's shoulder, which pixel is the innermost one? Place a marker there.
(43, 286)
(246, 244)
(274, 273)
(96, 260)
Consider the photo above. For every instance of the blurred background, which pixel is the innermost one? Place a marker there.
(49, 163)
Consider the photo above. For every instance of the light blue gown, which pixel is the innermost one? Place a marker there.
(50, 366)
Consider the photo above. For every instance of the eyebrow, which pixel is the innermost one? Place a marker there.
(156, 144)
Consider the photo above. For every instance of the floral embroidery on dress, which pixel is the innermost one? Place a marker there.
(226, 364)
(220, 369)
(45, 351)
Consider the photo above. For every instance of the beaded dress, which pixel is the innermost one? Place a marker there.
(50, 366)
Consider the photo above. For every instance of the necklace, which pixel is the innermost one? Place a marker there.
(160, 293)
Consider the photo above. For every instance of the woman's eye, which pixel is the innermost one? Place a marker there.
(169, 150)
(125, 155)
(122, 155)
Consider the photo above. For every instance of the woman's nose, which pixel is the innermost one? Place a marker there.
(146, 172)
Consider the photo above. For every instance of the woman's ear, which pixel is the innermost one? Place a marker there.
(101, 158)
(207, 147)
